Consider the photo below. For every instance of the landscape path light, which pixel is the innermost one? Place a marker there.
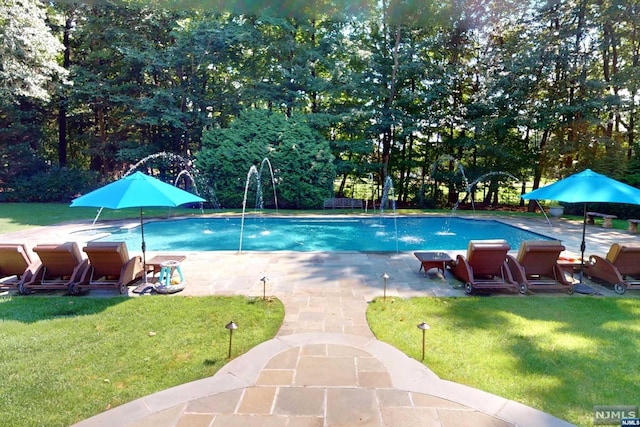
(385, 277)
(264, 287)
(231, 326)
(423, 327)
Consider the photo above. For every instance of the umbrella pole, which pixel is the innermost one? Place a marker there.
(583, 245)
(144, 247)
(581, 287)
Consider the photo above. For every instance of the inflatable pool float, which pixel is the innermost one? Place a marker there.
(163, 288)
(167, 284)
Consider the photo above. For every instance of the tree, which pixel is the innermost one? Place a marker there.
(28, 73)
(300, 156)
(535, 88)
(28, 52)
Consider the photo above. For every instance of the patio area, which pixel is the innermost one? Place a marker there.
(356, 274)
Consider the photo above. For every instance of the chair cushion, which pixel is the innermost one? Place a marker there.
(59, 259)
(626, 258)
(14, 259)
(486, 257)
(538, 257)
(107, 258)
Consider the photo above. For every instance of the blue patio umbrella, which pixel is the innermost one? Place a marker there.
(586, 187)
(136, 191)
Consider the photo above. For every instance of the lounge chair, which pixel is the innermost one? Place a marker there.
(485, 266)
(110, 266)
(536, 266)
(620, 268)
(61, 266)
(16, 265)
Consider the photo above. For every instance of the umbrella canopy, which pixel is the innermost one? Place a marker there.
(586, 187)
(136, 191)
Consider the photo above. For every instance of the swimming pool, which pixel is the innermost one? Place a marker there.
(304, 234)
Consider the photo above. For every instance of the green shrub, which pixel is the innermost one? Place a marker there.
(301, 160)
(55, 185)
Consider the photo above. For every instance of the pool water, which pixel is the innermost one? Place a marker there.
(382, 234)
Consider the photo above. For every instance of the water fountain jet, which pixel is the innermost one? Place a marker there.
(456, 163)
(273, 183)
(187, 170)
(387, 190)
(373, 193)
(482, 178)
(253, 171)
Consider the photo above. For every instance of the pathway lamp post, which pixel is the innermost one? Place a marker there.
(423, 327)
(231, 326)
(264, 287)
(385, 277)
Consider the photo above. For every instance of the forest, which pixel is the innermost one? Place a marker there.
(336, 94)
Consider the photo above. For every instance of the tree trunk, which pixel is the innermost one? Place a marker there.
(388, 134)
(539, 168)
(343, 183)
(62, 106)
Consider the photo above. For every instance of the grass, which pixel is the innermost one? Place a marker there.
(20, 216)
(560, 355)
(64, 359)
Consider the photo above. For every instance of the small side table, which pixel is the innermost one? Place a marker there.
(429, 260)
(155, 263)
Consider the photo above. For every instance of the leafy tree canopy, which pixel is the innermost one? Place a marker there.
(28, 52)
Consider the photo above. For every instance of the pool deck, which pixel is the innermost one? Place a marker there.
(325, 367)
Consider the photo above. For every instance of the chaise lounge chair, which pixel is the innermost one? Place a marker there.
(485, 266)
(536, 266)
(110, 266)
(620, 268)
(16, 265)
(61, 266)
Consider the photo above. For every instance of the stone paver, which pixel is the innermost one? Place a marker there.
(325, 367)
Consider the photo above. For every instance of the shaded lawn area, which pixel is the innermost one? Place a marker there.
(64, 359)
(20, 216)
(562, 355)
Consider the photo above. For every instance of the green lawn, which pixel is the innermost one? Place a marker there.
(64, 359)
(20, 216)
(562, 355)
